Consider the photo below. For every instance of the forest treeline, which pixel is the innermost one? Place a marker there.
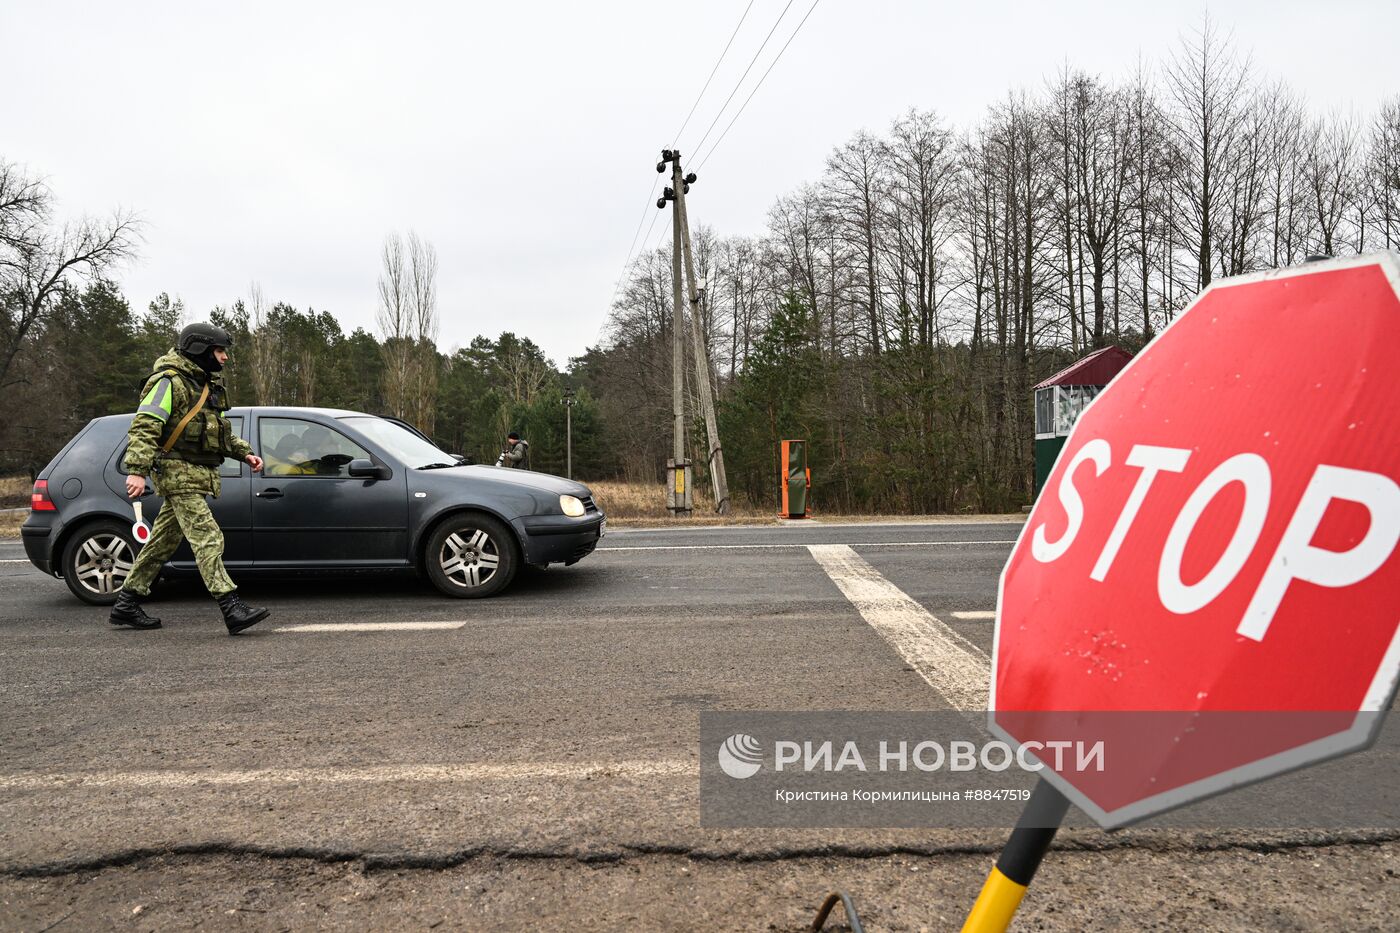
(895, 313)
(92, 353)
(899, 309)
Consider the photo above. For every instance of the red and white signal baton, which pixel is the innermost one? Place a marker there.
(139, 529)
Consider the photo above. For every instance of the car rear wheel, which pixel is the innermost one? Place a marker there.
(97, 560)
(471, 556)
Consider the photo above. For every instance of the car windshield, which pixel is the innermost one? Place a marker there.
(400, 442)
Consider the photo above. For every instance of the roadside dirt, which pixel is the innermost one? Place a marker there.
(1338, 887)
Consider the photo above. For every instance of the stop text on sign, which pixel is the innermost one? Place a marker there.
(1294, 558)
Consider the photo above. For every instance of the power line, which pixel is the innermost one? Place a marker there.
(756, 87)
(640, 220)
(632, 249)
(675, 140)
(740, 82)
(642, 252)
(646, 246)
(646, 240)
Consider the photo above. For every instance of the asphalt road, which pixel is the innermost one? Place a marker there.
(531, 761)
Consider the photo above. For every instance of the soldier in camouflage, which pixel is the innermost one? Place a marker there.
(179, 437)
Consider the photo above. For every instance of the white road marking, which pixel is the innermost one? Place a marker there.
(745, 547)
(951, 664)
(974, 615)
(14, 560)
(372, 774)
(371, 627)
(827, 525)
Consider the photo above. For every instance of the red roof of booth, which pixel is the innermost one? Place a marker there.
(1096, 369)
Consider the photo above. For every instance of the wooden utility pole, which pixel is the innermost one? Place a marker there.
(678, 488)
(718, 480)
(677, 349)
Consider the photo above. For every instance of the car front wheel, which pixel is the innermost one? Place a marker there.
(471, 556)
(97, 560)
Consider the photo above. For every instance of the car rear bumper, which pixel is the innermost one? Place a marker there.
(38, 545)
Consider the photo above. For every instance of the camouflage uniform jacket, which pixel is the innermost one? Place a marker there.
(192, 465)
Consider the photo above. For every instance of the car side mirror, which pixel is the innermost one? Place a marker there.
(368, 469)
(463, 459)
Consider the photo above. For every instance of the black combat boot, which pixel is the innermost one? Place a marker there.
(238, 615)
(127, 611)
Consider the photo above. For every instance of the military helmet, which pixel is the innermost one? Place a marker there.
(196, 339)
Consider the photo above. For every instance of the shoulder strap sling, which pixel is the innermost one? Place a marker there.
(170, 441)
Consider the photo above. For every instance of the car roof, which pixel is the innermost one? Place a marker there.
(292, 411)
(275, 410)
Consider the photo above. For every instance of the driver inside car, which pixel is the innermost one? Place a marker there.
(290, 458)
(316, 443)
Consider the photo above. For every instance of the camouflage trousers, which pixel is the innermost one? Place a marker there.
(185, 516)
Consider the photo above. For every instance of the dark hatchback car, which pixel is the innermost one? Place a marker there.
(340, 490)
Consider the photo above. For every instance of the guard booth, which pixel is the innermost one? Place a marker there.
(1060, 399)
(794, 479)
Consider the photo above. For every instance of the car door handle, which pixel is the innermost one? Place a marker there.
(273, 493)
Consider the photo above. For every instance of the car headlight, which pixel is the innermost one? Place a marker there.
(572, 506)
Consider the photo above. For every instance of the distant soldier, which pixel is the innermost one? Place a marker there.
(516, 454)
(179, 437)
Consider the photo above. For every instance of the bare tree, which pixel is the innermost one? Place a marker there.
(1328, 166)
(1382, 185)
(858, 179)
(636, 362)
(797, 224)
(924, 184)
(1091, 131)
(1150, 162)
(977, 204)
(24, 203)
(740, 278)
(1285, 198)
(39, 260)
(422, 372)
(1208, 85)
(1242, 189)
(395, 320)
(262, 362)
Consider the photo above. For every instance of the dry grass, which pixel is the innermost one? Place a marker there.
(958, 518)
(644, 504)
(14, 491)
(10, 522)
(638, 505)
(14, 494)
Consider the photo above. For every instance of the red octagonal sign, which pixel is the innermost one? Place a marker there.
(1218, 539)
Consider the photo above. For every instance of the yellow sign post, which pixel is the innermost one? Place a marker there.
(1019, 859)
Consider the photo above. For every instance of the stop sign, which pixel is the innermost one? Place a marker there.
(1218, 540)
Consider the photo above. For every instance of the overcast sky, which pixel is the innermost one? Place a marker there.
(278, 143)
